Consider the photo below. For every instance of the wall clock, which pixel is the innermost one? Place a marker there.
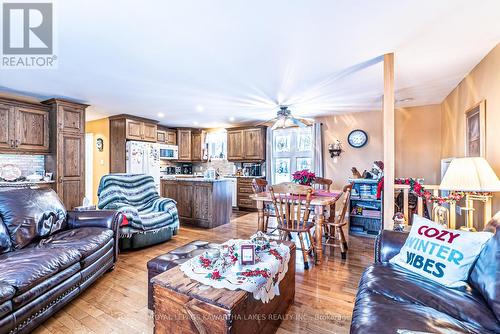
(357, 138)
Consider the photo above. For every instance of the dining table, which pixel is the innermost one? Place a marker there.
(322, 201)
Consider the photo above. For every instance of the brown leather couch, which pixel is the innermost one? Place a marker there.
(391, 299)
(48, 256)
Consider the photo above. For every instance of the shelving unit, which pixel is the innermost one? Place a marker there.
(366, 211)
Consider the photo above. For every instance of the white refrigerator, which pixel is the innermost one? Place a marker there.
(144, 158)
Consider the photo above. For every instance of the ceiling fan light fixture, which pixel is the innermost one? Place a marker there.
(285, 120)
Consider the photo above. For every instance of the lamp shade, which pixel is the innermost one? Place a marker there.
(470, 174)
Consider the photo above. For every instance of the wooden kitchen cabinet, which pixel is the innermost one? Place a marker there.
(184, 142)
(7, 131)
(244, 191)
(246, 144)
(140, 130)
(196, 146)
(201, 203)
(149, 131)
(234, 145)
(67, 143)
(32, 130)
(123, 128)
(171, 137)
(24, 127)
(166, 136)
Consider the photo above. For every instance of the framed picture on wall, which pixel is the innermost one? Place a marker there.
(475, 130)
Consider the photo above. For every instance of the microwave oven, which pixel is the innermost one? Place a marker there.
(169, 152)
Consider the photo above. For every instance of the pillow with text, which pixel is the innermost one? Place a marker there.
(442, 255)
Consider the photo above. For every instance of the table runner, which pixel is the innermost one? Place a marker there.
(262, 279)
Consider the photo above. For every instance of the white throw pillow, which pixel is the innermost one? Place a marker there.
(444, 256)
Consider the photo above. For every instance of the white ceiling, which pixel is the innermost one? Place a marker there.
(203, 62)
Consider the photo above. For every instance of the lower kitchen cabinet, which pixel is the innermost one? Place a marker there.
(201, 203)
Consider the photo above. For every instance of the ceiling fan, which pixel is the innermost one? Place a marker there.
(285, 119)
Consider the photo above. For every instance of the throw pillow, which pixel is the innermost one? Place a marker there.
(444, 256)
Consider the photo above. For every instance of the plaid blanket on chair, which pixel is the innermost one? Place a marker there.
(135, 195)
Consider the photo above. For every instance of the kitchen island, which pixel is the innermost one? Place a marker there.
(201, 202)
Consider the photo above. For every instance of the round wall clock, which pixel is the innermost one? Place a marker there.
(357, 138)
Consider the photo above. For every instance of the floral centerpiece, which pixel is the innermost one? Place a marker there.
(304, 177)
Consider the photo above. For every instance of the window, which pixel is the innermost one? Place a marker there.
(292, 151)
(216, 145)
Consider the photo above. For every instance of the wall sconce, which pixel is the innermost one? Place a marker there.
(335, 150)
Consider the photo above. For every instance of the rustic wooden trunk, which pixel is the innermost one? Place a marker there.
(183, 305)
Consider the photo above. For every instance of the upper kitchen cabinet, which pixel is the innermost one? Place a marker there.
(246, 144)
(166, 136)
(24, 127)
(197, 146)
(128, 127)
(184, 142)
(137, 128)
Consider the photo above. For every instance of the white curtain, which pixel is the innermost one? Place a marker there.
(317, 142)
(269, 156)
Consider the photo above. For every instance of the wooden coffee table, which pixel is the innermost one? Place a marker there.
(182, 305)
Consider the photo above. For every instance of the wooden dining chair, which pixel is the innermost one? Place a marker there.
(336, 236)
(322, 183)
(292, 203)
(260, 186)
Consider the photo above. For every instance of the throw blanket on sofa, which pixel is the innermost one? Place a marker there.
(135, 195)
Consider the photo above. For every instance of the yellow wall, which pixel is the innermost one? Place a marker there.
(100, 129)
(418, 141)
(483, 82)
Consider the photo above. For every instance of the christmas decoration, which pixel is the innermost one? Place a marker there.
(418, 189)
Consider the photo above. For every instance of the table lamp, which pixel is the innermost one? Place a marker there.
(476, 178)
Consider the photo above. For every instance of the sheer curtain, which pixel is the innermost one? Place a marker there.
(269, 156)
(317, 147)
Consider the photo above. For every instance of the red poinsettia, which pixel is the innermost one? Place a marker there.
(304, 177)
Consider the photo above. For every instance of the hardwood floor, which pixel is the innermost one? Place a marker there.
(117, 302)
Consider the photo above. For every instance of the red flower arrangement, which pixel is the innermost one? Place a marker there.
(303, 177)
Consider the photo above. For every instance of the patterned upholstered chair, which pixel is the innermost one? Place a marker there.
(151, 219)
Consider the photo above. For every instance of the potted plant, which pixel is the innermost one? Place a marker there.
(303, 177)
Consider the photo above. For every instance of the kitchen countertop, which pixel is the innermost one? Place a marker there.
(23, 183)
(193, 179)
(244, 176)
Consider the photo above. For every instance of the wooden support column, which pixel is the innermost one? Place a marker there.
(389, 140)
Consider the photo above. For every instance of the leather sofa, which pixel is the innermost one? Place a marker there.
(48, 255)
(391, 299)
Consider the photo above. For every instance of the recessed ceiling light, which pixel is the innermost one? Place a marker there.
(200, 108)
(160, 114)
(231, 119)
